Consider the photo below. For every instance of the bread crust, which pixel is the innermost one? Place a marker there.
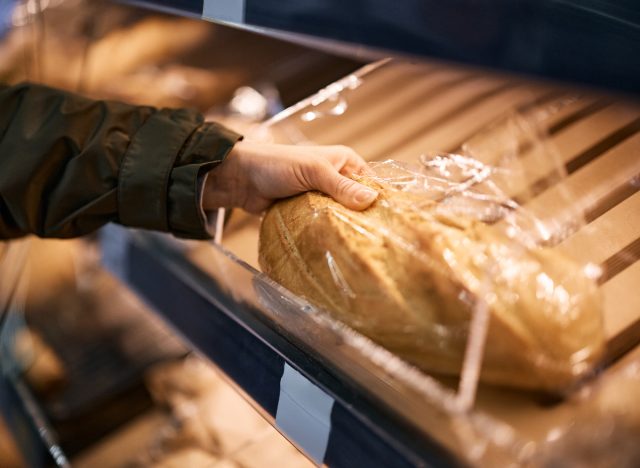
(410, 278)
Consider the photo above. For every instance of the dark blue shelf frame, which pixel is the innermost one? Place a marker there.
(595, 42)
(253, 353)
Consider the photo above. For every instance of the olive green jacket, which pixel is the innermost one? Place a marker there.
(69, 164)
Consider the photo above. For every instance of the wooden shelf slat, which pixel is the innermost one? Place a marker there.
(606, 235)
(381, 110)
(501, 139)
(403, 128)
(372, 90)
(588, 185)
(443, 137)
(622, 304)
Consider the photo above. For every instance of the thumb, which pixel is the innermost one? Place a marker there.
(344, 190)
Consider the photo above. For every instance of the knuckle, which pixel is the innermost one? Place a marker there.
(343, 185)
(321, 165)
(312, 172)
(257, 205)
(344, 150)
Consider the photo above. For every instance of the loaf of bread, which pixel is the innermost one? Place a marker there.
(408, 274)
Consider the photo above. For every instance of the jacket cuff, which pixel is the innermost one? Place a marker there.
(145, 172)
(206, 148)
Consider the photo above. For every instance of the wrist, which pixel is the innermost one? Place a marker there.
(221, 185)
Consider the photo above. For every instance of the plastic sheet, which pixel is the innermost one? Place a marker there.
(413, 270)
(605, 429)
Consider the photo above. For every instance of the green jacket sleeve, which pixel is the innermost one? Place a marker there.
(69, 164)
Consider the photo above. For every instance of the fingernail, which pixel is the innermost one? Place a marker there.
(366, 195)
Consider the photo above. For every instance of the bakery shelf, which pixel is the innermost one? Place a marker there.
(593, 42)
(21, 413)
(380, 413)
(253, 351)
(30, 429)
(385, 411)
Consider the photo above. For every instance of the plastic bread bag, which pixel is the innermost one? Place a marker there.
(443, 243)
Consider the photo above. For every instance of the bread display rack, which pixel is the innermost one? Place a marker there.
(460, 75)
(339, 398)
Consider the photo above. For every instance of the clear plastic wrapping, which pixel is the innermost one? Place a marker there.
(440, 245)
(605, 428)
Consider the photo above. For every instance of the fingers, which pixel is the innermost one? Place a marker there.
(254, 175)
(345, 160)
(357, 167)
(345, 191)
(257, 205)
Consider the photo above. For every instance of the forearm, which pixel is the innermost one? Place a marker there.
(68, 164)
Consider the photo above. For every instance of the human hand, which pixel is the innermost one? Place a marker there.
(255, 174)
